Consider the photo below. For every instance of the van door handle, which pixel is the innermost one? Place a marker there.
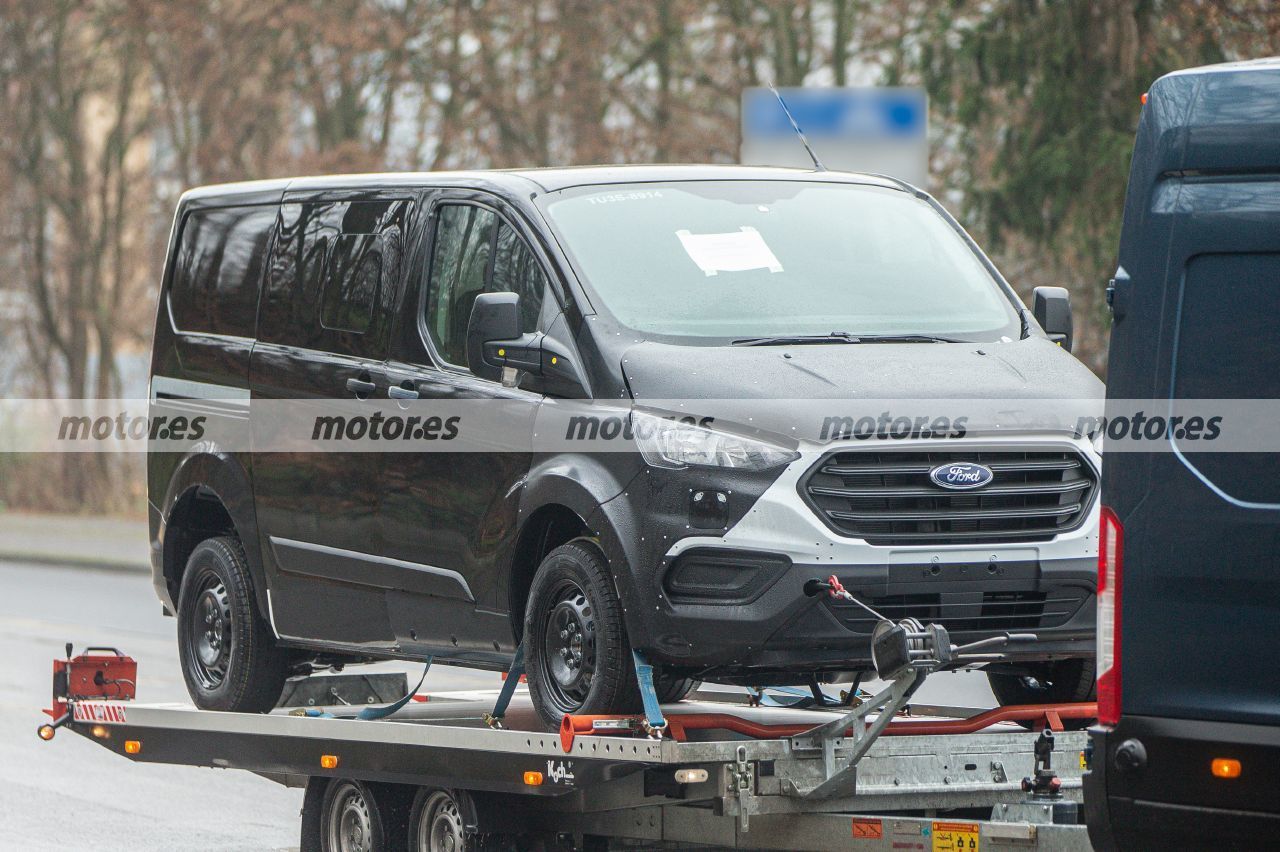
(360, 386)
(398, 392)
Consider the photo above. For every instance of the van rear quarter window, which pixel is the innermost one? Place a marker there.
(219, 269)
(334, 272)
(351, 285)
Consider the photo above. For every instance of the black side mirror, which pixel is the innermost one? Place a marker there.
(494, 342)
(1052, 309)
(494, 317)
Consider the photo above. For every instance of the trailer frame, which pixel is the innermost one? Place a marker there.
(932, 791)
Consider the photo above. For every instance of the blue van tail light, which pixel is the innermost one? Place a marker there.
(1110, 568)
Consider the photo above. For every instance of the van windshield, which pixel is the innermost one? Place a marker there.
(729, 260)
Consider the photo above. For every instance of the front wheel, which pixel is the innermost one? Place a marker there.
(229, 657)
(577, 653)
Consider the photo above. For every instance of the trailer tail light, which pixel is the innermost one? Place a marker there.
(1110, 570)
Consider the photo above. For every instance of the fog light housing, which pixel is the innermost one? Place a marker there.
(708, 509)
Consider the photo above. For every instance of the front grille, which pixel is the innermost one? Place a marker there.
(887, 497)
(986, 612)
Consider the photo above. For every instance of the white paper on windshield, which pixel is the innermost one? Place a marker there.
(736, 251)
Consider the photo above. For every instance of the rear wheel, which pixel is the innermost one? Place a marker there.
(1056, 682)
(578, 657)
(360, 817)
(437, 824)
(229, 657)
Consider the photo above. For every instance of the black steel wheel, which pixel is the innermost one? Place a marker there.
(229, 657)
(576, 649)
(569, 646)
(209, 630)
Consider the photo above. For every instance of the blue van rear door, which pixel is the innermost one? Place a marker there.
(1201, 608)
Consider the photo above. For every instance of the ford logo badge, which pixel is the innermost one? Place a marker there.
(961, 476)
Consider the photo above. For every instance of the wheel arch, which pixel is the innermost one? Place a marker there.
(562, 500)
(209, 494)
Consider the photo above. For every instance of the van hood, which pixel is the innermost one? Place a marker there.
(989, 375)
(1031, 368)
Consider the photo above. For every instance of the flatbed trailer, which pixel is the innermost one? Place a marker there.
(439, 774)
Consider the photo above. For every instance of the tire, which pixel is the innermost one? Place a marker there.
(671, 689)
(355, 818)
(438, 823)
(1057, 682)
(576, 649)
(229, 657)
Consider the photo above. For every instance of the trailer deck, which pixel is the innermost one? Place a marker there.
(707, 786)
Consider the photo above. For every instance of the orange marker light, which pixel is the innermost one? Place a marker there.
(328, 761)
(132, 746)
(533, 779)
(502, 353)
(46, 732)
(1225, 767)
(1144, 98)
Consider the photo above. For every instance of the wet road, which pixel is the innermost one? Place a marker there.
(70, 794)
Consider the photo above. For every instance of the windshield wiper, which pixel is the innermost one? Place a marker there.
(841, 337)
(905, 338)
(798, 339)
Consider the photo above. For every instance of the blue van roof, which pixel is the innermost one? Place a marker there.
(1218, 118)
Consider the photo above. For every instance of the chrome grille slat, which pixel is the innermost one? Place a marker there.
(891, 491)
(886, 497)
(956, 515)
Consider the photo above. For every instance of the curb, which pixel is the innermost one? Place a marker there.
(63, 560)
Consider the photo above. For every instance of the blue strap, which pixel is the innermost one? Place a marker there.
(369, 714)
(648, 694)
(312, 713)
(508, 686)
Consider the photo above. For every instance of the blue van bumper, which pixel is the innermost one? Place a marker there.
(1160, 793)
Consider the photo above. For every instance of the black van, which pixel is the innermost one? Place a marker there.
(1187, 753)
(695, 547)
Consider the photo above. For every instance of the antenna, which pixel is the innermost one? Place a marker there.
(817, 164)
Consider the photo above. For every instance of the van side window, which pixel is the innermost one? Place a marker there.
(334, 274)
(476, 252)
(221, 255)
(351, 285)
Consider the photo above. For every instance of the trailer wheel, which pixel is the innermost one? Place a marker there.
(229, 656)
(576, 649)
(443, 821)
(1057, 682)
(360, 817)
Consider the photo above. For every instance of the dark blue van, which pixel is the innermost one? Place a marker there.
(1187, 750)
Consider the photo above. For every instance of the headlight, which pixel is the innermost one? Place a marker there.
(673, 444)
